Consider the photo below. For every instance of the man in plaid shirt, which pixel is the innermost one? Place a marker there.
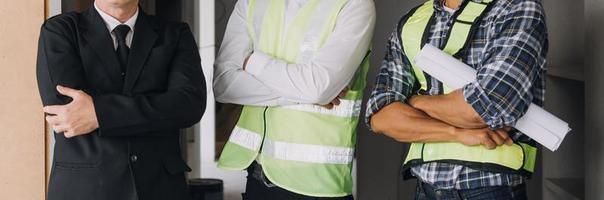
(508, 50)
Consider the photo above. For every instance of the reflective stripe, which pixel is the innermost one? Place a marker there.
(516, 157)
(307, 152)
(256, 13)
(311, 41)
(246, 138)
(347, 108)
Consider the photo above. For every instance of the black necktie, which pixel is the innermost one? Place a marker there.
(122, 51)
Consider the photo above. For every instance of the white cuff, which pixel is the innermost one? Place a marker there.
(256, 63)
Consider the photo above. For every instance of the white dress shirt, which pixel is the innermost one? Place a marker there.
(269, 81)
(111, 23)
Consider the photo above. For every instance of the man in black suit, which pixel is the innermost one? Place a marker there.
(117, 85)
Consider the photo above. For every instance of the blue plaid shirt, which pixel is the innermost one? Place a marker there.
(508, 51)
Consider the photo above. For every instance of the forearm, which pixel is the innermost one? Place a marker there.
(236, 86)
(406, 124)
(121, 115)
(450, 108)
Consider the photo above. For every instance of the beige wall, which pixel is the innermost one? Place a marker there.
(22, 143)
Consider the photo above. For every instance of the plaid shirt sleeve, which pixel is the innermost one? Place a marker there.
(395, 79)
(503, 88)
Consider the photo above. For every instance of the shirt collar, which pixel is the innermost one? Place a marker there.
(439, 4)
(111, 22)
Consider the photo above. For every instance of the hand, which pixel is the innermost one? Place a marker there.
(486, 137)
(245, 61)
(336, 101)
(73, 119)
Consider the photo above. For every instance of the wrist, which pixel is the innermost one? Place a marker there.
(374, 127)
(414, 101)
(455, 134)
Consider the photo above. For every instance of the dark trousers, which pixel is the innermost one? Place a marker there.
(260, 188)
(427, 192)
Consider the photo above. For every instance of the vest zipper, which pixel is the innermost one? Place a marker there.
(263, 129)
(264, 180)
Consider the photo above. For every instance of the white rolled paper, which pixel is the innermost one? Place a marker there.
(540, 125)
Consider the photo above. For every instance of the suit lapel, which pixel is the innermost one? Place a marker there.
(101, 42)
(142, 43)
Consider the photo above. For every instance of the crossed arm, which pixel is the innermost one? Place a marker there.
(444, 118)
(270, 81)
(449, 108)
(394, 112)
(78, 109)
(480, 113)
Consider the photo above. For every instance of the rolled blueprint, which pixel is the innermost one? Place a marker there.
(540, 125)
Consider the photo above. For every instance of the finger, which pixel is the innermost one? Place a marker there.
(496, 138)
(73, 93)
(53, 120)
(245, 62)
(55, 110)
(505, 136)
(336, 102)
(343, 93)
(328, 106)
(59, 129)
(507, 129)
(69, 133)
(488, 142)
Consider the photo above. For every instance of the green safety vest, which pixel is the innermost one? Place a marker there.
(518, 158)
(306, 149)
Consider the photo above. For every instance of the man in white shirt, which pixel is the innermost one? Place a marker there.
(246, 74)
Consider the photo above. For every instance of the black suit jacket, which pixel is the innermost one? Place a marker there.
(135, 154)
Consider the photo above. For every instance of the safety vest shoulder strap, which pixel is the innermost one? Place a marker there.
(467, 21)
(415, 29)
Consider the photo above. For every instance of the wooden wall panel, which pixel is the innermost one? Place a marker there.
(22, 153)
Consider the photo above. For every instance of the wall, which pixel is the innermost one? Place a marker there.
(22, 158)
(594, 96)
(565, 98)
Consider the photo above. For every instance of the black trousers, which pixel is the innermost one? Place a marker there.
(258, 189)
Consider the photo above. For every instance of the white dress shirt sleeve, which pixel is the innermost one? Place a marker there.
(231, 83)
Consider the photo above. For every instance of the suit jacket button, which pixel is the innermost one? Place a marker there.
(133, 158)
(123, 74)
